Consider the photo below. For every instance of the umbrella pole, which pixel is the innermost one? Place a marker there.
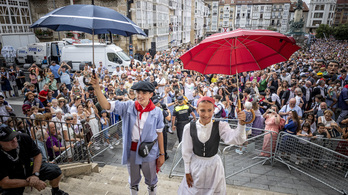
(238, 96)
(93, 65)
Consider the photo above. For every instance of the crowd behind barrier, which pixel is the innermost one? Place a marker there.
(304, 97)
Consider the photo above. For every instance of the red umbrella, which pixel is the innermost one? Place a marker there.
(239, 51)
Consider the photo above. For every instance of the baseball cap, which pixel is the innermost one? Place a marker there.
(6, 133)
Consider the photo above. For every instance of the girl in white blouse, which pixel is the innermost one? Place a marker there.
(199, 150)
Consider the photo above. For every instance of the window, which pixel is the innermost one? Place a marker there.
(316, 22)
(318, 15)
(319, 7)
(124, 56)
(112, 57)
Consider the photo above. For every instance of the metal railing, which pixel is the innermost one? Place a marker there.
(60, 142)
(316, 161)
(257, 149)
(107, 138)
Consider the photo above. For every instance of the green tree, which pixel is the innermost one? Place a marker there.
(324, 29)
(340, 32)
(271, 28)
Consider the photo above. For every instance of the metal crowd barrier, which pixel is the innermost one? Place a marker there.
(56, 146)
(257, 149)
(107, 138)
(314, 160)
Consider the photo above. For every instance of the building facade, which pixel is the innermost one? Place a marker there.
(247, 14)
(197, 21)
(320, 12)
(341, 13)
(15, 16)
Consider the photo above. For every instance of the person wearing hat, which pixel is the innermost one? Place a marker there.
(18, 171)
(137, 115)
(204, 172)
(180, 116)
(33, 101)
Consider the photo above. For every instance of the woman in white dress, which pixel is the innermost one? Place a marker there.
(204, 172)
(93, 117)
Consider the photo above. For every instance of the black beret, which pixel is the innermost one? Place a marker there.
(90, 88)
(143, 86)
(343, 71)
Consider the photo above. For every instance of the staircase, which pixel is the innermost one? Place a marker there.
(113, 180)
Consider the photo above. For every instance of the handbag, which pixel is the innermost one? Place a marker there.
(145, 148)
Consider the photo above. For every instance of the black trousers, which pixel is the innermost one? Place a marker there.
(165, 139)
(180, 129)
(48, 171)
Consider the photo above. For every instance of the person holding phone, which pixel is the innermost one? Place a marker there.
(142, 122)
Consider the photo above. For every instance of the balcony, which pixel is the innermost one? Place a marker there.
(274, 9)
(280, 9)
(279, 16)
(172, 5)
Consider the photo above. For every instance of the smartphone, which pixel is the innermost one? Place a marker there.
(93, 73)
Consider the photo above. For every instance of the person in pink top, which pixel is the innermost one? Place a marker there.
(273, 122)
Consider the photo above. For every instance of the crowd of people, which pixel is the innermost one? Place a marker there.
(305, 96)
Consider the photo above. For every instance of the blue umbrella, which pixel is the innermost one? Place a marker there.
(90, 19)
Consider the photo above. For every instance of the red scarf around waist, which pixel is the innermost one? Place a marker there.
(150, 106)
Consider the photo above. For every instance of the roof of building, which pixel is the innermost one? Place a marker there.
(293, 6)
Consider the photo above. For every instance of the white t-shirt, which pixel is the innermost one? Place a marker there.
(161, 81)
(189, 89)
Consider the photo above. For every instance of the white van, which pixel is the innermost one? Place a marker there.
(40, 53)
(111, 55)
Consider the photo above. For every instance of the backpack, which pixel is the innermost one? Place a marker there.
(222, 112)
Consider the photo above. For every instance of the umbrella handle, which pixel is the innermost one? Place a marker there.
(239, 104)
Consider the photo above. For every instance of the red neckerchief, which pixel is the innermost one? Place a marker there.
(262, 99)
(150, 106)
(346, 86)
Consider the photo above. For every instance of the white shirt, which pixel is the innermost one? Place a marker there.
(139, 124)
(161, 81)
(189, 89)
(229, 136)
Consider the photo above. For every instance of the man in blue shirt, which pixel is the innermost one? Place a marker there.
(54, 68)
(343, 103)
(286, 109)
(65, 75)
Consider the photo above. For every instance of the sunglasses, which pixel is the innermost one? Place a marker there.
(69, 119)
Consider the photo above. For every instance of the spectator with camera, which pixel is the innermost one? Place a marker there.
(64, 74)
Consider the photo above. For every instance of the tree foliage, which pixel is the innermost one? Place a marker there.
(323, 31)
(340, 32)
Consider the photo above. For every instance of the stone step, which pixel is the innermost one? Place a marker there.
(113, 180)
